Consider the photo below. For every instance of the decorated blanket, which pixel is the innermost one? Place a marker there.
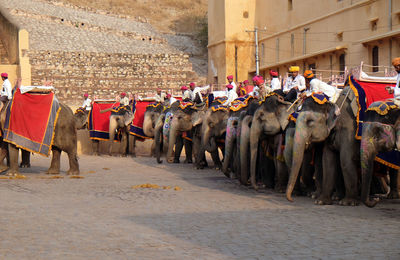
(240, 102)
(99, 122)
(138, 109)
(366, 94)
(31, 120)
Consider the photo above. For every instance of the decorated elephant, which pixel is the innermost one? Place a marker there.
(64, 139)
(380, 135)
(186, 118)
(270, 119)
(152, 114)
(314, 123)
(212, 129)
(231, 165)
(119, 124)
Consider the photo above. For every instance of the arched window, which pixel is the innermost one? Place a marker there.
(375, 59)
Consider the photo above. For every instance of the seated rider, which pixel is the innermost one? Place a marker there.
(196, 93)
(295, 84)
(186, 94)
(317, 86)
(160, 96)
(396, 90)
(231, 95)
(87, 103)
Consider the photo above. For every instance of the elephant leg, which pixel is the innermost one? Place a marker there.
(55, 161)
(281, 175)
(153, 149)
(133, 144)
(350, 177)
(394, 184)
(3, 155)
(95, 147)
(73, 163)
(318, 170)
(307, 172)
(229, 142)
(216, 160)
(178, 148)
(13, 155)
(188, 151)
(329, 165)
(26, 159)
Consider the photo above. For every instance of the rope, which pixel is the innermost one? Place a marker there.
(344, 100)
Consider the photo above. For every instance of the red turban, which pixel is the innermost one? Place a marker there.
(192, 84)
(5, 75)
(273, 73)
(86, 95)
(123, 94)
(184, 88)
(246, 82)
(229, 77)
(229, 86)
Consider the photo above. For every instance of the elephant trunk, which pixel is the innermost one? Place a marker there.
(148, 127)
(173, 131)
(158, 141)
(367, 156)
(255, 132)
(229, 142)
(301, 136)
(244, 149)
(208, 141)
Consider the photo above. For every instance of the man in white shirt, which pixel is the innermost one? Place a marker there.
(186, 95)
(232, 95)
(258, 82)
(295, 84)
(6, 91)
(160, 96)
(87, 103)
(231, 82)
(317, 86)
(196, 92)
(124, 100)
(396, 89)
(275, 82)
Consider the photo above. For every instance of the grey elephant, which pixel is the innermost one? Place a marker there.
(153, 112)
(212, 129)
(269, 120)
(120, 123)
(186, 118)
(380, 133)
(65, 139)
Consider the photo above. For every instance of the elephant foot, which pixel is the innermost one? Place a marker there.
(188, 161)
(232, 175)
(133, 155)
(25, 165)
(176, 160)
(73, 172)
(393, 194)
(95, 154)
(323, 201)
(3, 168)
(349, 202)
(170, 160)
(53, 171)
(315, 195)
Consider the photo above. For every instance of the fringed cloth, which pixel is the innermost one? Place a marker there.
(136, 128)
(99, 123)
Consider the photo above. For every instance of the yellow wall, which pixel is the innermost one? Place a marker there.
(325, 20)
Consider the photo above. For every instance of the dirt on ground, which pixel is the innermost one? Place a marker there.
(134, 208)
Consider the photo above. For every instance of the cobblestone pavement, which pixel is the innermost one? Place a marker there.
(102, 217)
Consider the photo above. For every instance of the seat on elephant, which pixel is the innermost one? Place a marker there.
(99, 122)
(138, 109)
(31, 120)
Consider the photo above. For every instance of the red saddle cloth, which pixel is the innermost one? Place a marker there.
(99, 122)
(31, 120)
(139, 108)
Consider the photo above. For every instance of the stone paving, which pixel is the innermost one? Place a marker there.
(102, 217)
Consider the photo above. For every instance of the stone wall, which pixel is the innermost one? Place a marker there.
(105, 75)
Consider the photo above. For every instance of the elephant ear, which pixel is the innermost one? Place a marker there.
(197, 118)
(332, 116)
(282, 113)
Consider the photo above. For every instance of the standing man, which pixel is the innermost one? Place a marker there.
(6, 91)
(231, 82)
(87, 103)
(295, 84)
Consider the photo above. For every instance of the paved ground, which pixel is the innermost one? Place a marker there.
(211, 217)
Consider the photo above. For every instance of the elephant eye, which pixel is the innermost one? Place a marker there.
(211, 124)
(310, 122)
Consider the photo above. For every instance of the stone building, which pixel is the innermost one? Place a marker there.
(81, 50)
(327, 36)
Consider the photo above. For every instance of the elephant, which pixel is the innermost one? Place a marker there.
(161, 138)
(380, 133)
(121, 122)
(314, 124)
(213, 128)
(65, 139)
(270, 119)
(186, 119)
(153, 112)
(231, 165)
